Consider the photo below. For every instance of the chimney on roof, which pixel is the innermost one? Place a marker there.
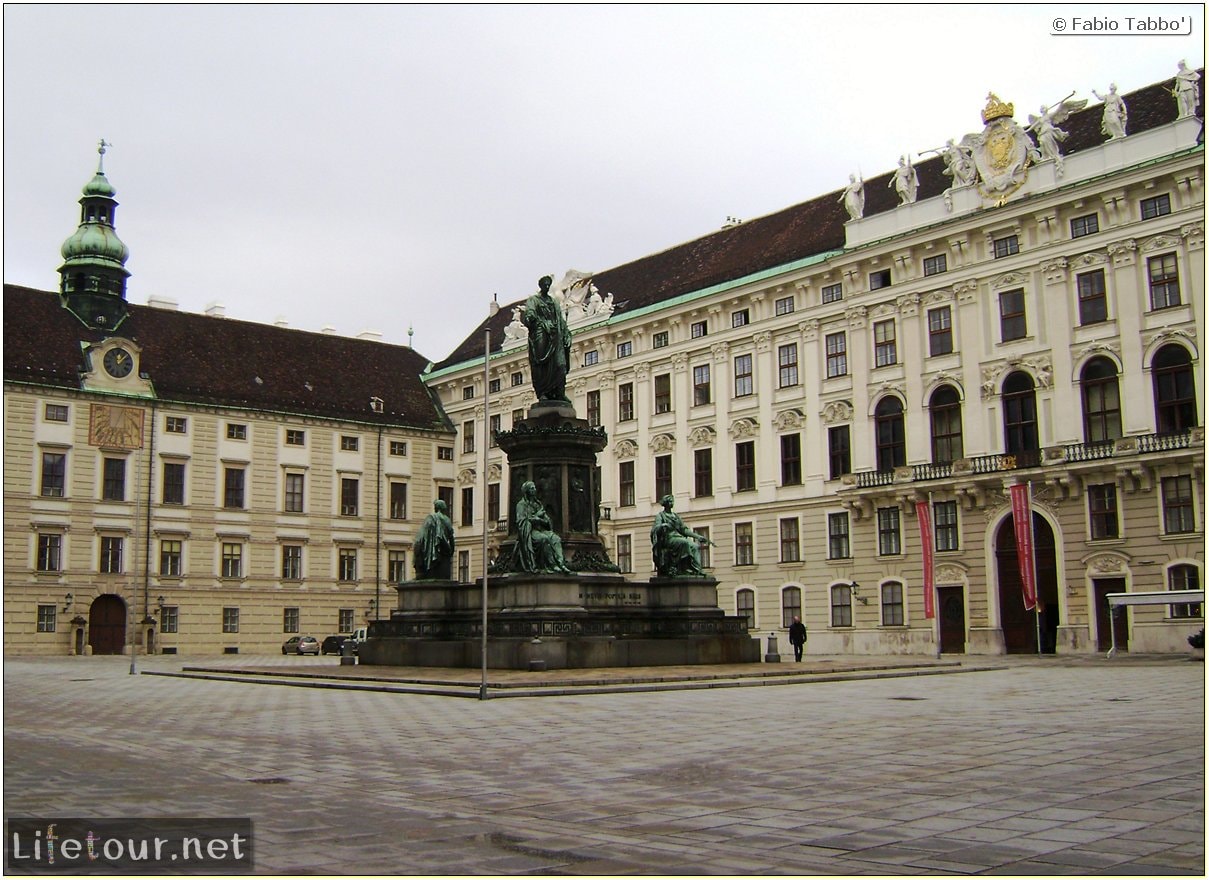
(162, 302)
(216, 310)
(373, 335)
(731, 222)
(281, 322)
(328, 329)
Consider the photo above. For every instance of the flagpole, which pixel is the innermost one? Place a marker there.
(1033, 565)
(935, 596)
(491, 310)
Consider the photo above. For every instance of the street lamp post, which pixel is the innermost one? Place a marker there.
(492, 308)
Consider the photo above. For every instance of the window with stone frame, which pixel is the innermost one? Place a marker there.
(893, 608)
(701, 389)
(663, 476)
(593, 409)
(625, 481)
(396, 566)
(345, 620)
(1088, 224)
(836, 345)
(936, 265)
(745, 466)
(625, 402)
(113, 481)
(1156, 206)
(663, 393)
(703, 473)
(54, 474)
(169, 619)
(1175, 405)
(1164, 277)
(468, 506)
(625, 554)
(839, 451)
(832, 293)
(841, 605)
(1178, 512)
(230, 620)
(232, 560)
(940, 331)
(838, 546)
(885, 343)
(744, 384)
(944, 523)
(1012, 324)
(397, 505)
(233, 488)
(745, 607)
(47, 618)
(291, 562)
(350, 496)
(1005, 246)
(111, 554)
(744, 544)
(173, 491)
(1093, 297)
(291, 618)
(295, 485)
(791, 459)
(347, 562)
(889, 532)
(1102, 511)
(791, 605)
(790, 541)
(787, 365)
(171, 555)
(1184, 577)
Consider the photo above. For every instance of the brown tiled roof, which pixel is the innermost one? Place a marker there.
(200, 359)
(803, 230)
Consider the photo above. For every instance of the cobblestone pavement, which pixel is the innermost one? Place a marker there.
(1036, 767)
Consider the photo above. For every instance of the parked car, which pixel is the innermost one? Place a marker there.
(334, 644)
(301, 645)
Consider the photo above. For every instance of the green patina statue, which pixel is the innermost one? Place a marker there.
(675, 547)
(549, 344)
(538, 547)
(434, 545)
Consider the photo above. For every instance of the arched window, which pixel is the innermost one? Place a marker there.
(1101, 401)
(892, 604)
(891, 434)
(1020, 418)
(791, 605)
(945, 409)
(745, 606)
(1184, 577)
(1174, 390)
(841, 605)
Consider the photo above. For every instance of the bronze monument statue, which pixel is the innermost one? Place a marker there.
(549, 344)
(675, 547)
(538, 547)
(434, 545)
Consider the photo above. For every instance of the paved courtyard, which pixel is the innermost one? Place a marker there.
(1036, 767)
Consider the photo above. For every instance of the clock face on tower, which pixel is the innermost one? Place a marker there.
(118, 362)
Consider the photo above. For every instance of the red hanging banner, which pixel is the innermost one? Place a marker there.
(923, 512)
(1022, 520)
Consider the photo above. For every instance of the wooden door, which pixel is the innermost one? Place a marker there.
(952, 620)
(1101, 587)
(107, 625)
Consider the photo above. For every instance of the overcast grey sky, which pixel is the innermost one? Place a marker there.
(375, 167)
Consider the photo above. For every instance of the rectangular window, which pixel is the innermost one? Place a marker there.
(295, 437)
(171, 551)
(237, 431)
(175, 425)
(169, 619)
(787, 365)
(625, 349)
(593, 409)
(1081, 226)
(936, 265)
(1093, 299)
(55, 412)
(345, 617)
(398, 500)
(659, 340)
(745, 466)
(745, 547)
(625, 479)
(232, 560)
(837, 354)
(703, 473)
(698, 329)
(494, 426)
(396, 566)
(791, 459)
(291, 562)
(783, 306)
(444, 453)
(745, 607)
(233, 483)
(743, 379)
(295, 485)
(50, 552)
(46, 618)
(493, 502)
(838, 451)
(944, 518)
(230, 620)
(591, 358)
(833, 293)
(347, 558)
(701, 392)
(885, 344)
(1180, 577)
(463, 566)
(1164, 282)
(290, 618)
(703, 531)
(892, 604)
(790, 549)
(468, 436)
(113, 485)
(1011, 315)
(54, 474)
(495, 386)
(174, 483)
(663, 393)
(1177, 505)
(740, 318)
(879, 279)
(468, 505)
(625, 554)
(791, 605)
(111, 556)
(518, 378)
(940, 331)
(398, 447)
(445, 493)
(518, 415)
(837, 536)
(889, 532)
(1006, 246)
(349, 443)
(663, 475)
(1158, 206)
(350, 491)
(1102, 511)
(468, 393)
(625, 402)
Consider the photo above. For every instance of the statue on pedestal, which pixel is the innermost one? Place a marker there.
(434, 545)
(1185, 91)
(675, 547)
(1115, 115)
(538, 547)
(549, 344)
(854, 198)
(905, 181)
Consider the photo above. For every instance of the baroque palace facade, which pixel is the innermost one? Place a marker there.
(799, 383)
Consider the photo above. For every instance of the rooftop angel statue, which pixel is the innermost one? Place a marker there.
(1045, 129)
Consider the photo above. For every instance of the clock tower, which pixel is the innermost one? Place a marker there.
(93, 277)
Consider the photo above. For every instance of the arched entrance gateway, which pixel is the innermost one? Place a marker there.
(1018, 623)
(107, 624)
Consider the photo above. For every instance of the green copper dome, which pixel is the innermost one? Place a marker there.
(99, 186)
(95, 242)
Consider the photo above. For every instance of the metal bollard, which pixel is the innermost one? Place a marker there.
(347, 657)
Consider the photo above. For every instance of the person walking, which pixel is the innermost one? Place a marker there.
(797, 638)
